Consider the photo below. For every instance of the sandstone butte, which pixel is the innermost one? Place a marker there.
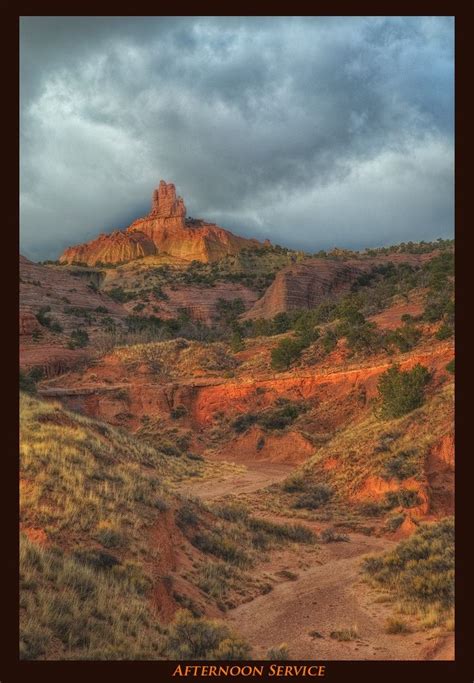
(164, 230)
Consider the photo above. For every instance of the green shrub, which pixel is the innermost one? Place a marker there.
(187, 515)
(41, 316)
(372, 509)
(420, 570)
(282, 415)
(237, 341)
(295, 483)
(402, 465)
(278, 654)
(110, 538)
(221, 546)
(404, 338)
(328, 341)
(214, 578)
(405, 498)
(444, 332)
(232, 512)
(79, 339)
(98, 559)
(55, 327)
(394, 522)
(281, 323)
(396, 626)
(191, 638)
(401, 391)
(285, 353)
(278, 417)
(178, 412)
(314, 498)
(332, 536)
(450, 366)
(243, 422)
(298, 533)
(27, 383)
(119, 295)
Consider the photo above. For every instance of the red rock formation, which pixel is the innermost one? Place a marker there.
(304, 285)
(28, 322)
(164, 230)
(63, 295)
(201, 304)
(165, 204)
(114, 248)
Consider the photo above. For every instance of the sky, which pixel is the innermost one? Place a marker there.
(313, 132)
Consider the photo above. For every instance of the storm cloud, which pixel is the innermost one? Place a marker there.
(313, 132)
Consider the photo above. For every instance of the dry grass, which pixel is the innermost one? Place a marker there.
(89, 479)
(95, 493)
(419, 574)
(178, 357)
(345, 633)
(364, 448)
(396, 626)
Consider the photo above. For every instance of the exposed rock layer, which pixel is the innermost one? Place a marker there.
(306, 284)
(165, 230)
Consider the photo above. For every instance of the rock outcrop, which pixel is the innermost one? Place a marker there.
(164, 230)
(305, 285)
(28, 322)
(165, 204)
(117, 247)
(66, 298)
(200, 304)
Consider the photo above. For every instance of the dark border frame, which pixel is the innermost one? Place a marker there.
(11, 669)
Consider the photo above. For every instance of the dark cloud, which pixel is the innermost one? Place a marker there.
(310, 131)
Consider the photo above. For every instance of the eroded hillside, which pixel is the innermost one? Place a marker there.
(215, 415)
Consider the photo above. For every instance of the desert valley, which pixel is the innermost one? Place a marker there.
(231, 449)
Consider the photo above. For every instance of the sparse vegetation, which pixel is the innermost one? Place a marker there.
(402, 391)
(79, 339)
(100, 507)
(351, 633)
(396, 626)
(286, 352)
(279, 654)
(402, 465)
(177, 358)
(315, 496)
(279, 416)
(193, 638)
(28, 380)
(330, 535)
(46, 321)
(420, 571)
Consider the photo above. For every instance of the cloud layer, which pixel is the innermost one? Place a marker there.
(314, 132)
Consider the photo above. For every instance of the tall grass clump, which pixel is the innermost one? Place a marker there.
(420, 571)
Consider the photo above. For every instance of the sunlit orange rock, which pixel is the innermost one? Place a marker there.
(164, 230)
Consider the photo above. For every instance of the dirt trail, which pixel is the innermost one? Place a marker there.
(257, 475)
(326, 594)
(326, 598)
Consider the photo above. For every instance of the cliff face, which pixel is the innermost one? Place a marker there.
(67, 300)
(164, 230)
(201, 304)
(305, 285)
(114, 248)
